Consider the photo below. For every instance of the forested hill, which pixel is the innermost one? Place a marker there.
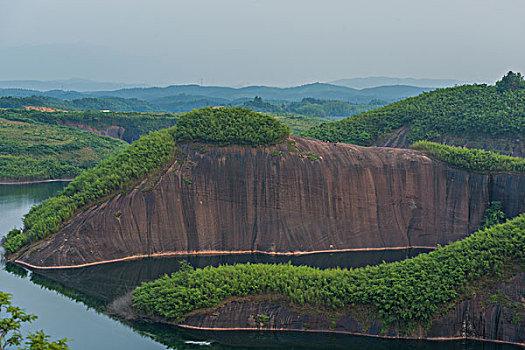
(476, 116)
(182, 98)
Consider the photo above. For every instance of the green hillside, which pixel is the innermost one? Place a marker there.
(35, 151)
(134, 124)
(474, 115)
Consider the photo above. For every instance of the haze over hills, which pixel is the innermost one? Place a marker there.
(73, 84)
(368, 82)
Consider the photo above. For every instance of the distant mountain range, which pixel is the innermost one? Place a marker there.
(235, 95)
(368, 82)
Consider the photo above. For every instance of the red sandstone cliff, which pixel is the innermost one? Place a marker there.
(246, 199)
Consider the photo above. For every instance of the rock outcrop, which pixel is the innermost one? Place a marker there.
(309, 197)
(497, 314)
(399, 138)
(114, 131)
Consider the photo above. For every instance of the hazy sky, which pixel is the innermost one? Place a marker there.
(270, 42)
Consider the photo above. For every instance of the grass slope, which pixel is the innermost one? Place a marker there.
(134, 124)
(35, 151)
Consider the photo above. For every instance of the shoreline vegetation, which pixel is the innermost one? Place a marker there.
(33, 151)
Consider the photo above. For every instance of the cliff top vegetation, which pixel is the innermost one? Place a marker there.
(474, 160)
(226, 126)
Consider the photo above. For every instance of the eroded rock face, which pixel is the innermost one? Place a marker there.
(399, 138)
(233, 199)
(114, 131)
(497, 314)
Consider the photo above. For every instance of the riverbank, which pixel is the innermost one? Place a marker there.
(33, 181)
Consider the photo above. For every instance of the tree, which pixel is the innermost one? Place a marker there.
(12, 318)
(511, 81)
(493, 214)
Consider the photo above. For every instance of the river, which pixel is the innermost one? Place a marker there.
(71, 303)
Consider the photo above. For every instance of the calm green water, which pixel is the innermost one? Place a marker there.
(70, 303)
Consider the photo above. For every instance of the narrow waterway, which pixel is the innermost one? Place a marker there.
(57, 314)
(71, 303)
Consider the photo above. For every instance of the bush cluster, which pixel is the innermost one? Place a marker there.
(475, 160)
(226, 126)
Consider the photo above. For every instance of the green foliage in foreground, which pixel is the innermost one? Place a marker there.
(226, 126)
(404, 293)
(474, 160)
(11, 320)
(35, 151)
(114, 173)
(472, 112)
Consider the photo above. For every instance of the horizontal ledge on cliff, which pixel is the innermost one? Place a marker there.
(34, 181)
(348, 333)
(218, 252)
